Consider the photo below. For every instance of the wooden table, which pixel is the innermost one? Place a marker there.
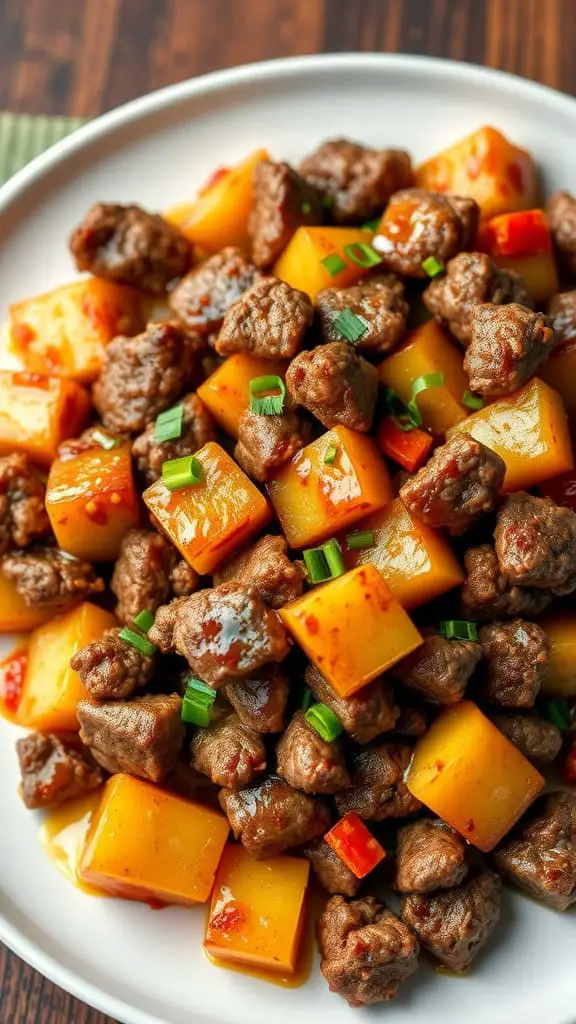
(81, 57)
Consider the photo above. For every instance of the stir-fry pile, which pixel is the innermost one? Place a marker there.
(299, 553)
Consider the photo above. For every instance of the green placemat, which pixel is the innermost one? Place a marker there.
(23, 137)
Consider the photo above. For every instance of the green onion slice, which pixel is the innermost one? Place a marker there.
(334, 264)
(362, 254)
(459, 629)
(141, 643)
(432, 266)
(327, 202)
(316, 565)
(558, 713)
(197, 703)
(472, 401)
(372, 225)
(350, 326)
(395, 406)
(144, 620)
(306, 698)
(324, 721)
(168, 426)
(330, 455)
(104, 440)
(267, 404)
(179, 473)
(360, 539)
(306, 208)
(333, 555)
(429, 380)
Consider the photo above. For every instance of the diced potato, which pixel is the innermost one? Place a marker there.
(92, 502)
(486, 166)
(417, 562)
(428, 350)
(257, 910)
(467, 772)
(352, 628)
(150, 845)
(65, 332)
(15, 615)
(522, 242)
(314, 500)
(52, 689)
(37, 413)
(219, 216)
(560, 676)
(225, 392)
(207, 522)
(529, 430)
(300, 265)
(559, 371)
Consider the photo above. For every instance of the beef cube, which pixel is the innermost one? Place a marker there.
(365, 714)
(378, 790)
(260, 699)
(202, 299)
(562, 312)
(266, 443)
(229, 753)
(282, 202)
(111, 668)
(539, 740)
(458, 485)
(272, 817)
(335, 384)
(48, 577)
(266, 567)
(367, 952)
(131, 246)
(429, 856)
(561, 210)
(55, 769)
(141, 578)
(357, 181)
(184, 579)
(330, 871)
(308, 762)
(269, 320)
(455, 924)
(142, 736)
(516, 655)
(23, 517)
(507, 345)
(440, 668)
(488, 594)
(412, 720)
(378, 302)
(418, 225)
(198, 428)
(536, 543)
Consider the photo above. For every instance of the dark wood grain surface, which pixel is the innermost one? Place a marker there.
(81, 57)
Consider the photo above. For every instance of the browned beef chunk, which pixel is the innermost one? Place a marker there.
(49, 577)
(562, 312)
(367, 952)
(561, 210)
(366, 714)
(359, 181)
(516, 655)
(539, 740)
(203, 297)
(536, 543)
(308, 762)
(111, 668)
(282, 202)
(507, 345)
(184, 579)
(378, 790)
(335, 384)
(471, 279)
(458, 484)
(272, 817)
(266, 567)
(541, 859)
(380, 305)
(141, 579)
(131, 246)
(224, 633)
(419, 224)
(143, 376)
(229, 753)
(330, 871)
(266, 443)
(260, 699)
(488, 594)
(429, 856)
(54, 769)
(268, 320)
(142, 736)
(412, 721)
(440, 668)
(454, 925)
(23, 517)
(198, 428)
(88, 440)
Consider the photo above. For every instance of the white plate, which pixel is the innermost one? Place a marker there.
(139, 966)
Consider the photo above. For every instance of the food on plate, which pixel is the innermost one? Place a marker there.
(299, 568)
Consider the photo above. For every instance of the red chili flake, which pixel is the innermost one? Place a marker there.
(469, 826)
(514, 172)
(230, 919)
(12, 675)
(439, 766)
(311, 623)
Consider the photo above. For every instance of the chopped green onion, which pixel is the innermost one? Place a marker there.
(168, 426)
(184, 472)
(558, 713)
(141, 643)
(334, 264)
(316, 565)
(472, 401)
(306, 698)
(197, 703)
(327, 202)
(333, 555)
(350, 326)
(330, 455)
(104, 440)
(368, 256)
(324, 721)
(432, 266)
(372, 225)
(429, 380)
(459, 629)
(402, 415)
(360, 539)
(144, 620)
(263, 404)
(306, 208)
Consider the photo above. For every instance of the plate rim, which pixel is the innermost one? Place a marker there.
(138, 110)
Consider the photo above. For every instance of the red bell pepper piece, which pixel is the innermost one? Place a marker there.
(570, 766)
(562, 489)
(355, 845)
(12, 675)
(525, 233)
(409, 448)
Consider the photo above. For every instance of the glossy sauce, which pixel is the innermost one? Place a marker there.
(63, 834)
